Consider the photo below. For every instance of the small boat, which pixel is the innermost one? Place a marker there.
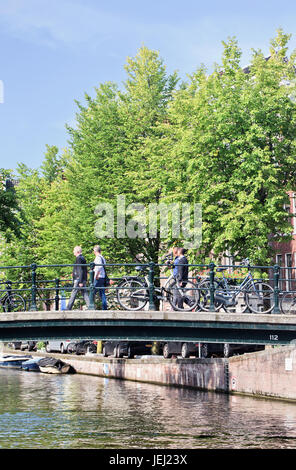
(12, 361)
(50, 365)
(31, 365)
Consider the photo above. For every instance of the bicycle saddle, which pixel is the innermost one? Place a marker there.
(219, 270)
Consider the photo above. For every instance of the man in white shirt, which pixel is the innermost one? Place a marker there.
(99, 275)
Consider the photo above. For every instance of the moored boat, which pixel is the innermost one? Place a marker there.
(12, 361)
(50, 365)
(31, 365)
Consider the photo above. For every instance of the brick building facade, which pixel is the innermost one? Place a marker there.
(285, 252)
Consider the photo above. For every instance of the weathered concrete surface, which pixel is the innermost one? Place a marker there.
(269, 373)
(206, 374)
(270, 319)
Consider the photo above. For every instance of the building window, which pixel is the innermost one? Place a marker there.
(289, 272)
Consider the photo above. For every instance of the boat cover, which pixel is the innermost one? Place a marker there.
(51, 362)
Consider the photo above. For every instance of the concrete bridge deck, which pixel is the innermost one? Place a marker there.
(149, 325)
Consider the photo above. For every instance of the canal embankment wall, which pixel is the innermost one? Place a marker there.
(269, 373)
(203, 374)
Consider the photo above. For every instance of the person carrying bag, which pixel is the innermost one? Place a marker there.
(100, 276)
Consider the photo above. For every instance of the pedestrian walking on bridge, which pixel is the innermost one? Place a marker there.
(79, 278)
(100, 275)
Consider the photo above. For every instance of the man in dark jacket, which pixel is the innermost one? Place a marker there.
(79, 278)
(182, 268)
(181, 277)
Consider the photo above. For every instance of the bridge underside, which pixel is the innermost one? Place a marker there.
(157, 326)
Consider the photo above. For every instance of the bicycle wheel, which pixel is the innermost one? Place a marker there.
(241, 303)
(260, 299)
(204, 295)
(167, 289)
(14, 303)
(288, 303)
(166, 293)
(132, 294)
(184, 299)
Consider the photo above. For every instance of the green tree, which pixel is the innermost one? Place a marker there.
(52, 165)
(21, 250)
(55, 228)
(108, 151)
(234, 140)
(9, 209)
(27, 246)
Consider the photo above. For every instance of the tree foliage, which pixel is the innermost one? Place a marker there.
(225, 139)
(9, 209)
(233, 136)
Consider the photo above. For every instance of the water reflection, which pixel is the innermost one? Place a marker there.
(75, 411)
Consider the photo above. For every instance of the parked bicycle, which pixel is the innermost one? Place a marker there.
(133, 292)
(258, 296)
(9, 300)
(288, 303)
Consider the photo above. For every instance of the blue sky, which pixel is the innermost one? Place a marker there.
(52, 51)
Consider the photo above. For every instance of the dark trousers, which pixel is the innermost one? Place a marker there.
(99, 284)
(178, 295)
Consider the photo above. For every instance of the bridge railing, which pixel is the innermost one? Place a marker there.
(217, 287)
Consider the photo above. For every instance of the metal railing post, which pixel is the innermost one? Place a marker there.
(57, 294)
(212, 287)
(151, 286)
(33, 288)
(92, 288)
(276, 275)
(9, 292)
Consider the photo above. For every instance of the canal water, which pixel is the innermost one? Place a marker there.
(76, 411)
